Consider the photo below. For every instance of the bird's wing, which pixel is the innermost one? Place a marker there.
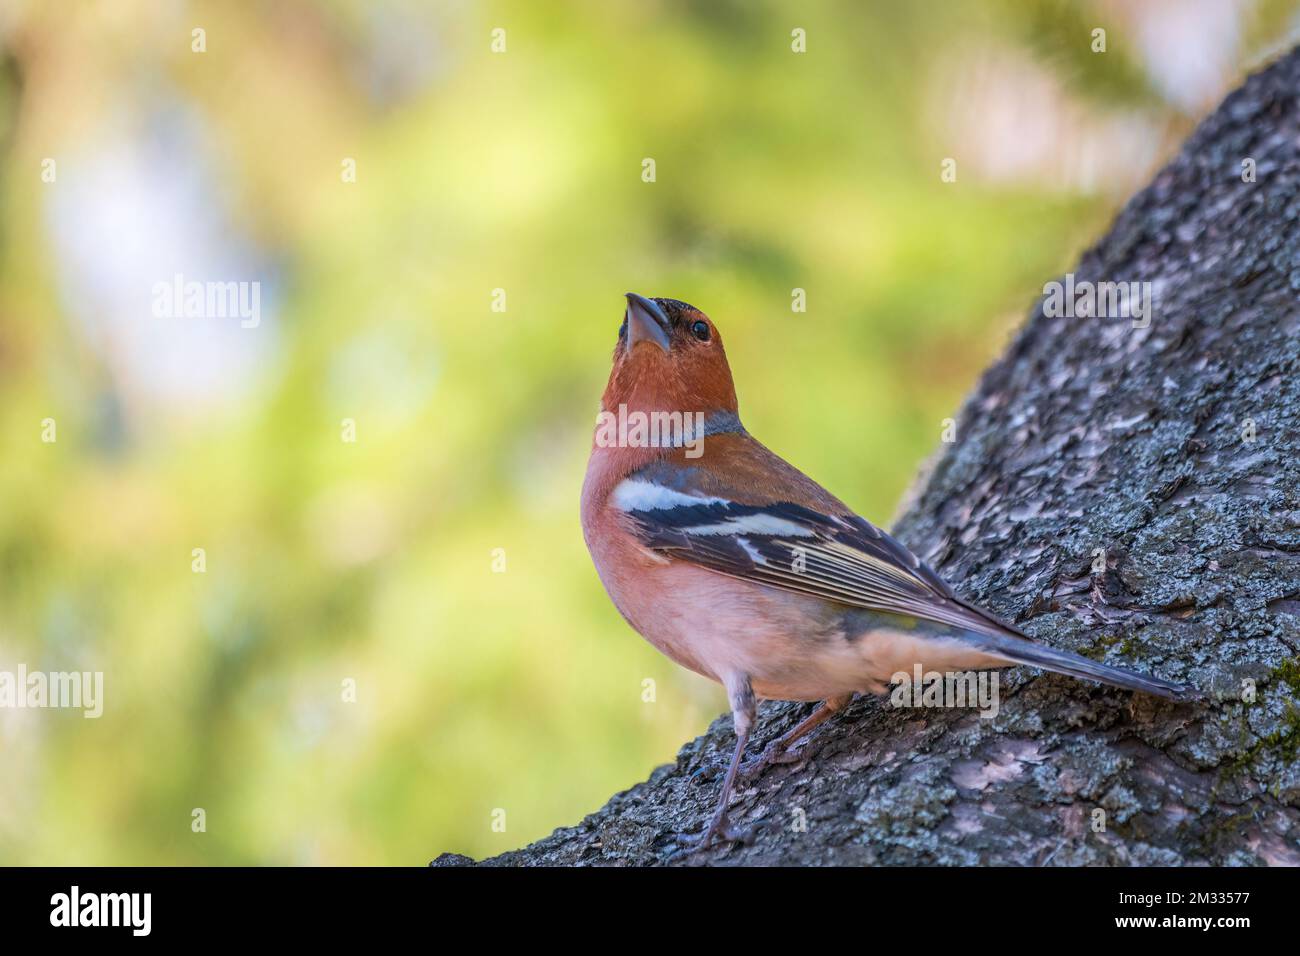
(784, 532)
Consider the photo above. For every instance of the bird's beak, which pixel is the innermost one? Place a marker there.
(646, 322)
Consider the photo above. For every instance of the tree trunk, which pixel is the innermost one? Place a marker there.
(1168, 452)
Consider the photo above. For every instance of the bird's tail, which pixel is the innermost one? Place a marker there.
(1021, 650)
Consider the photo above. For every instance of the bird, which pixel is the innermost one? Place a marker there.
(739, 567)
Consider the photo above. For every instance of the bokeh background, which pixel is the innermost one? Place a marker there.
(327, 561)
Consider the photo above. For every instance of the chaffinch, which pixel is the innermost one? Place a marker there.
(738, 566)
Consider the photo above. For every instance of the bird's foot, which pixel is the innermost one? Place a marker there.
(777, 752)
(720, 831)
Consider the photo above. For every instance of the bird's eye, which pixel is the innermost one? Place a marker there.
(700, 330)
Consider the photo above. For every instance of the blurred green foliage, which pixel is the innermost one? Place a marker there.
(329, 561)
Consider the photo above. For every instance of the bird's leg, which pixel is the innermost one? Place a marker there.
(743, 711)
(777, 750)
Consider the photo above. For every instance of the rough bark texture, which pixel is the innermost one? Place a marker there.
(1089, 433)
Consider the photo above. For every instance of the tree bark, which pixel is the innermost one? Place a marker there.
(1172, 449)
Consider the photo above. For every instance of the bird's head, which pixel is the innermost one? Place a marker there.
(669, 358)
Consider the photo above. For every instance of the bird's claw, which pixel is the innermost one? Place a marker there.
(772, 755)
(719, 830)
